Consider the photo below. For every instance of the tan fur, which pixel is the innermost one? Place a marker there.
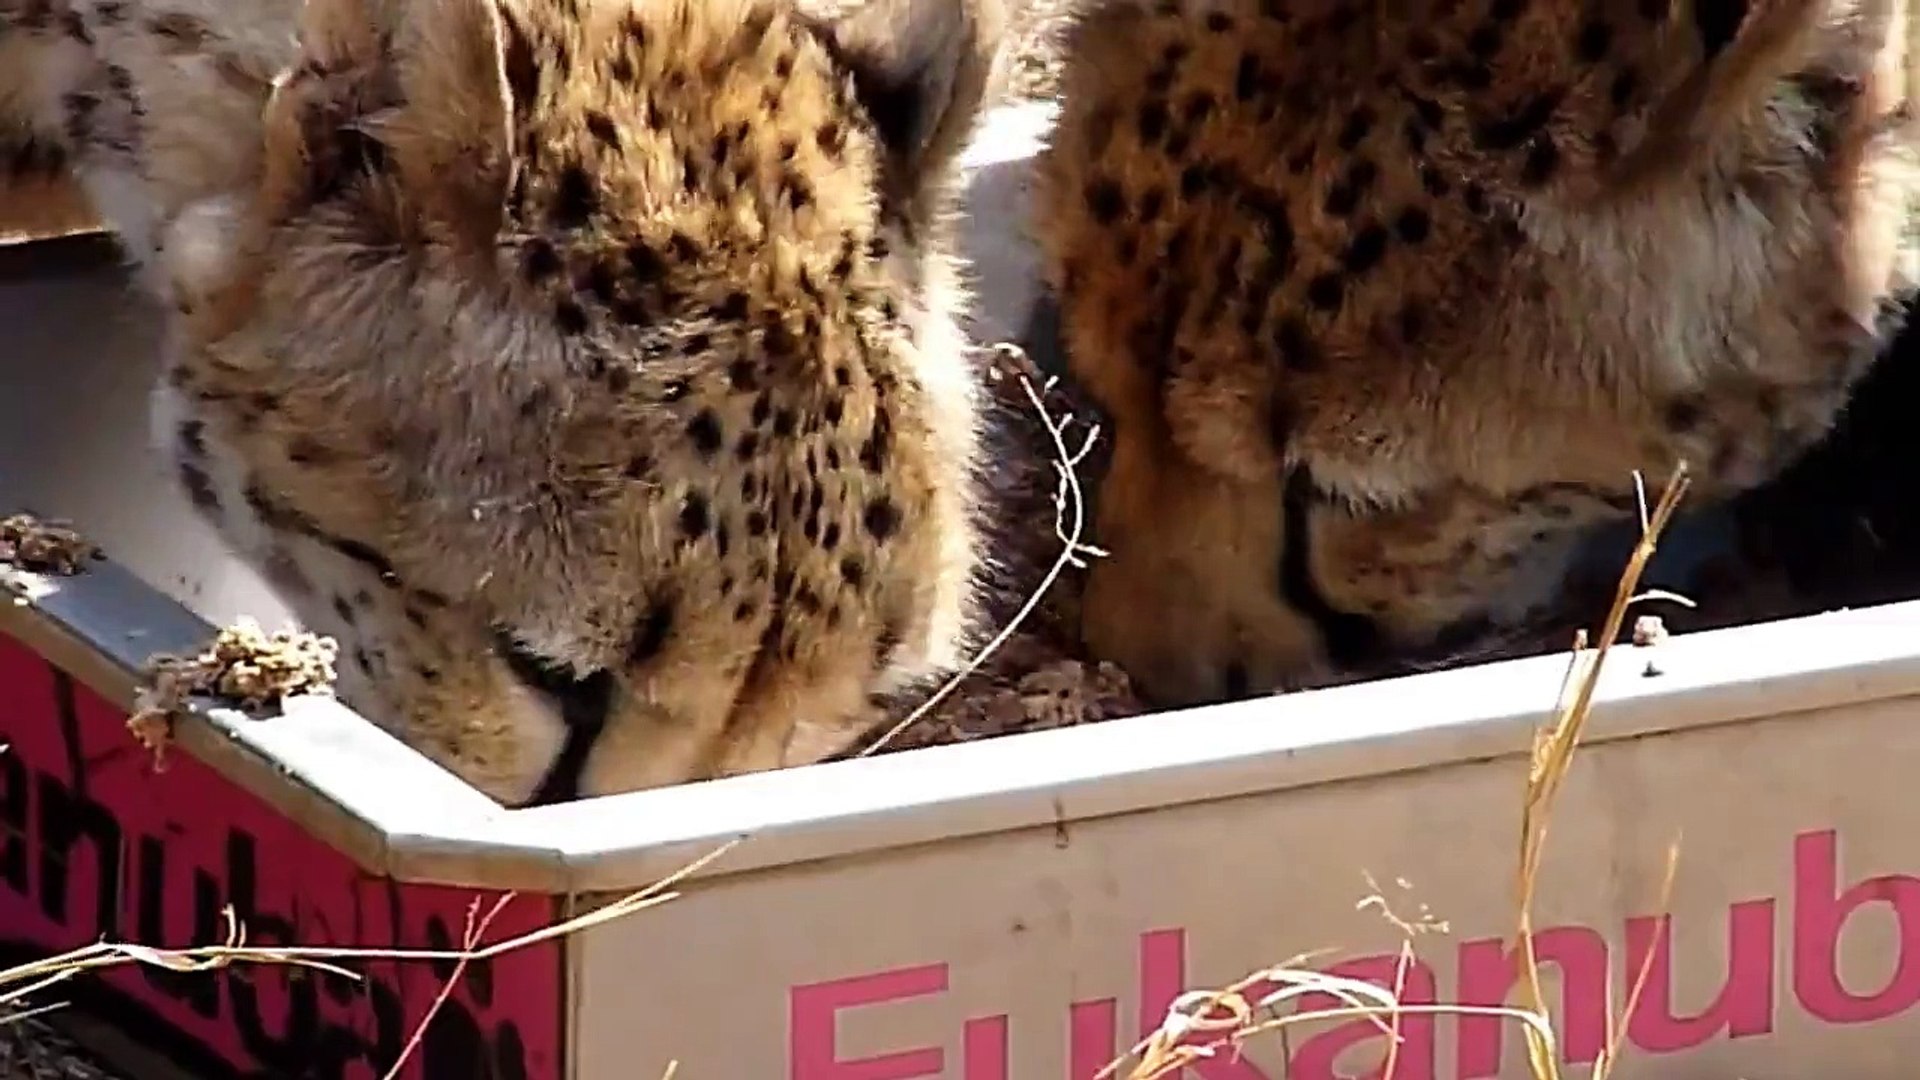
(39, 208)
(586, 358)
(1450, 277)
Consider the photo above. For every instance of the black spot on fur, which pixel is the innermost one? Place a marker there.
(831, 138)
(1623, 88)
(705, 432)
(1246, 77)
(1106, 201)
(650, 632)
(538, 260)
(1718, 22)
(574, 198)
(1683, 415)
(1326, 291)
(1298, 352)
(882, 519)
(199, 487)
(1365, 252)
(1413, 225)
(1596, 37)
(1413, 322)
(1543, 161)
(1485, 40)
(1344, 196)
(646, 263)
(601, 125)
(1151, 121)
(1354, 130)
(695, 516)
(878, 444)
(600, 280)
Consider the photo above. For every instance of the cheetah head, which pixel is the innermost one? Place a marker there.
(497, 326)
(1230, 572)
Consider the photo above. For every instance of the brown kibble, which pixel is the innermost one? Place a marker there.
(43, 547)
(1649, 630)
(245, 668)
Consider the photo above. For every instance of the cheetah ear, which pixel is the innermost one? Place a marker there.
(426, 81)
(923, 69)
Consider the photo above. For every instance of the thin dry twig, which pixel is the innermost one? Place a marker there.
(1069, 525)
(469, 939)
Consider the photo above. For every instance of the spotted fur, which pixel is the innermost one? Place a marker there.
(588, 368)
(1387, 305)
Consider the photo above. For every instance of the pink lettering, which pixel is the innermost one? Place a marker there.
(1819, 915)
(1488, 971)
(812, 1045)
(1414, 1060)
(1092, 1028)
(1741, 1005)
(983, 1048)
(1744, 1004)
(1163, 977)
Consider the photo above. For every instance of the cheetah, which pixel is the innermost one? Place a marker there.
(590, 370)
(1387, 304)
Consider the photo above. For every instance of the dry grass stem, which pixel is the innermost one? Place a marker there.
(1553, 759)
(476, 929)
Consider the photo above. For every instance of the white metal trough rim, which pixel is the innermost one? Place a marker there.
(401, 815)
(397, 814)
